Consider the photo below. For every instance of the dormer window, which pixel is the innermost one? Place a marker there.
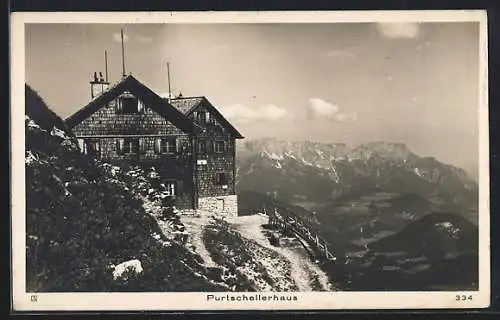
(202, 117)
(128, 104)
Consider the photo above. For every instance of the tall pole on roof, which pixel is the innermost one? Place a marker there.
(168, 75)
(123, 55)
(106, 63)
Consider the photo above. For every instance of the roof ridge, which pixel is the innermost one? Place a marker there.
(184, 97)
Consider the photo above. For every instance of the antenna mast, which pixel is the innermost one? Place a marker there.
(123, 56)
(106, 64)
(168, 75)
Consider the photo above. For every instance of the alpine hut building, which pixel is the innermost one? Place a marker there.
(186, 139)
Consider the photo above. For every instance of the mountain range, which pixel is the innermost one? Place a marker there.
(366, 199)
(319, 176)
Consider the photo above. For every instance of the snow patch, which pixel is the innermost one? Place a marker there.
(306, 162)
(418, 172)
(30, 157)
(290, 155)
(449, 228)
(57, 133)
(320, 153)
(32, 124)
(134, 266)
(335, 174)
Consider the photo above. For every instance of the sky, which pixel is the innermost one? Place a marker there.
(415, 83)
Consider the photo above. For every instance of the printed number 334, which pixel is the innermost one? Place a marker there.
(463, 297)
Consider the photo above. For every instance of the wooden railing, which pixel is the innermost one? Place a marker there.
(291, 222)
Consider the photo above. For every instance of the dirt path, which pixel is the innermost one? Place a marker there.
(302, 268)
(194, 226)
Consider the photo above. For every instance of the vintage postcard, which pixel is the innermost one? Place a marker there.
(250, 160)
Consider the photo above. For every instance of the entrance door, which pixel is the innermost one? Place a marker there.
(220, 205)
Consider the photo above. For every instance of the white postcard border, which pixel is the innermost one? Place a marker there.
(23, 301)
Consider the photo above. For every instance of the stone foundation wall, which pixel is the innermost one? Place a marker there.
(223, 205)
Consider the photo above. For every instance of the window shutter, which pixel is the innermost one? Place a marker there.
(142, 145)
(120, 143)
(140, 106)
(118, 105)
(178, 187)
(81, 144)
(177, 145)
(98, 147)
(158, 145)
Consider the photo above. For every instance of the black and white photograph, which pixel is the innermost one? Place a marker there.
(234, 163)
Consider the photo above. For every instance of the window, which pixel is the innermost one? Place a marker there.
(170, 188)
(219, 130)
(127, 146)
(129, 104)
(221, 178)
(219, 146)
(202, 146)
(202, 117)
(167, 145)
(92, 148)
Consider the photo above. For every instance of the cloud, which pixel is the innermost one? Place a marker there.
(320, 109)
(241, 113)
(393, 30)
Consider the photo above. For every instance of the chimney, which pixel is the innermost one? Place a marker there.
(98, 85)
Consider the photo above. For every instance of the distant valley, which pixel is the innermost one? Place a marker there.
(359, 198)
